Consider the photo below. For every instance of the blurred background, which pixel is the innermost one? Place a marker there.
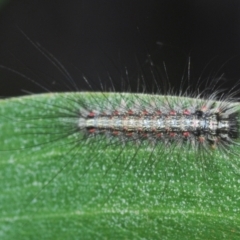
(117, 42)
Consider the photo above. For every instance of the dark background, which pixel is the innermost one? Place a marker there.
(102, 39)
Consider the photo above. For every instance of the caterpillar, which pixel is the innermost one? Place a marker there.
(163, 122)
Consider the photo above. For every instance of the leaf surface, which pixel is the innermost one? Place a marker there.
(57, 185)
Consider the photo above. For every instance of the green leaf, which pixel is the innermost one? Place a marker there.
(56, 184)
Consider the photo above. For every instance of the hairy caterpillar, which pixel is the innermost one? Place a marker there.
(123, 157)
